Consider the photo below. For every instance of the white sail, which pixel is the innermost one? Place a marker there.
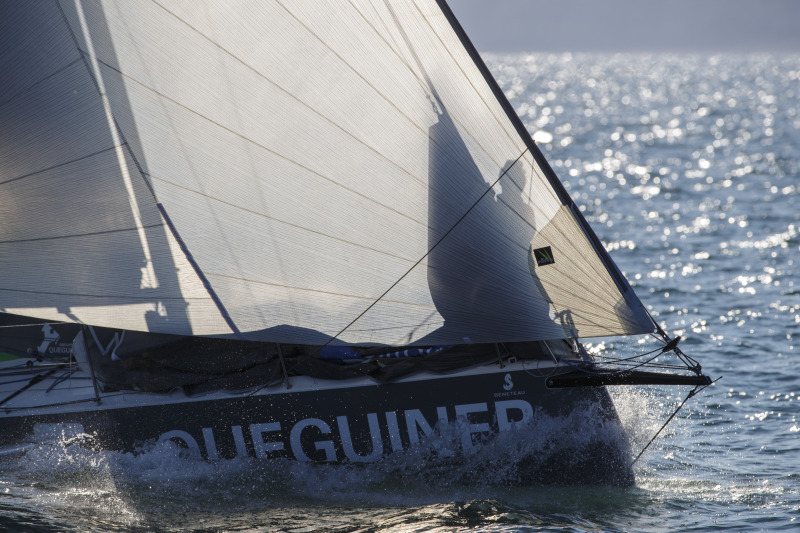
(282, 170)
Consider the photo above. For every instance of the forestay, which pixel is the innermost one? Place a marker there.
(285, 171)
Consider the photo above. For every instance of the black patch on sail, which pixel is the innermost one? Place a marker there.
(543, 256)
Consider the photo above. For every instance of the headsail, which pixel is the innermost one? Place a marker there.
(316, 162)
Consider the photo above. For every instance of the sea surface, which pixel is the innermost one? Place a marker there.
(688, 168)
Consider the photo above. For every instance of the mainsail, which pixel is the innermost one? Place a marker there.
(286, 171)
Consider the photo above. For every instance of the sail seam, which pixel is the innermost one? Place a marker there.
(101, 296)
(306, 105)
(297, 226)
(622, 284)
(79, 235)
(59, 165)
(311, 108)
(332, 237)
(267, 149)
(476, 92)
(190, 258)
(416, 325)
(305, 289)
(592, 319)
(42, 80)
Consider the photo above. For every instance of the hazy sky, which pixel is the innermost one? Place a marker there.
(631, 25)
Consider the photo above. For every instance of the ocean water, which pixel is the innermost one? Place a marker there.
(688, 168)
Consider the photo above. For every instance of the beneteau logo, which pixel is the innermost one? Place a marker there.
(508, 387)
(543, 256)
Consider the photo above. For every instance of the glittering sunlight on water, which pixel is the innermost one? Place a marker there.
(688, 168)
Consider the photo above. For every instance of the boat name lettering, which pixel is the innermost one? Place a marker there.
(348, 438)
(60, 349)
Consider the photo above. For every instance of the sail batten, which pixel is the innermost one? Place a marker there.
(285, 171)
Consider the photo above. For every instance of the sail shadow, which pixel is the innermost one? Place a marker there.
(479, 235)
(86, 232)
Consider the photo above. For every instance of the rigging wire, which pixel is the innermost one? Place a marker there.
(633, 362)
(614, 373)
(692, 392)
(629, 364)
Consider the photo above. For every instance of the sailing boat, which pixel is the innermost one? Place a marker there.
(307, 230)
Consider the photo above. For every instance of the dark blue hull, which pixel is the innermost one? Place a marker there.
(558, 435)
